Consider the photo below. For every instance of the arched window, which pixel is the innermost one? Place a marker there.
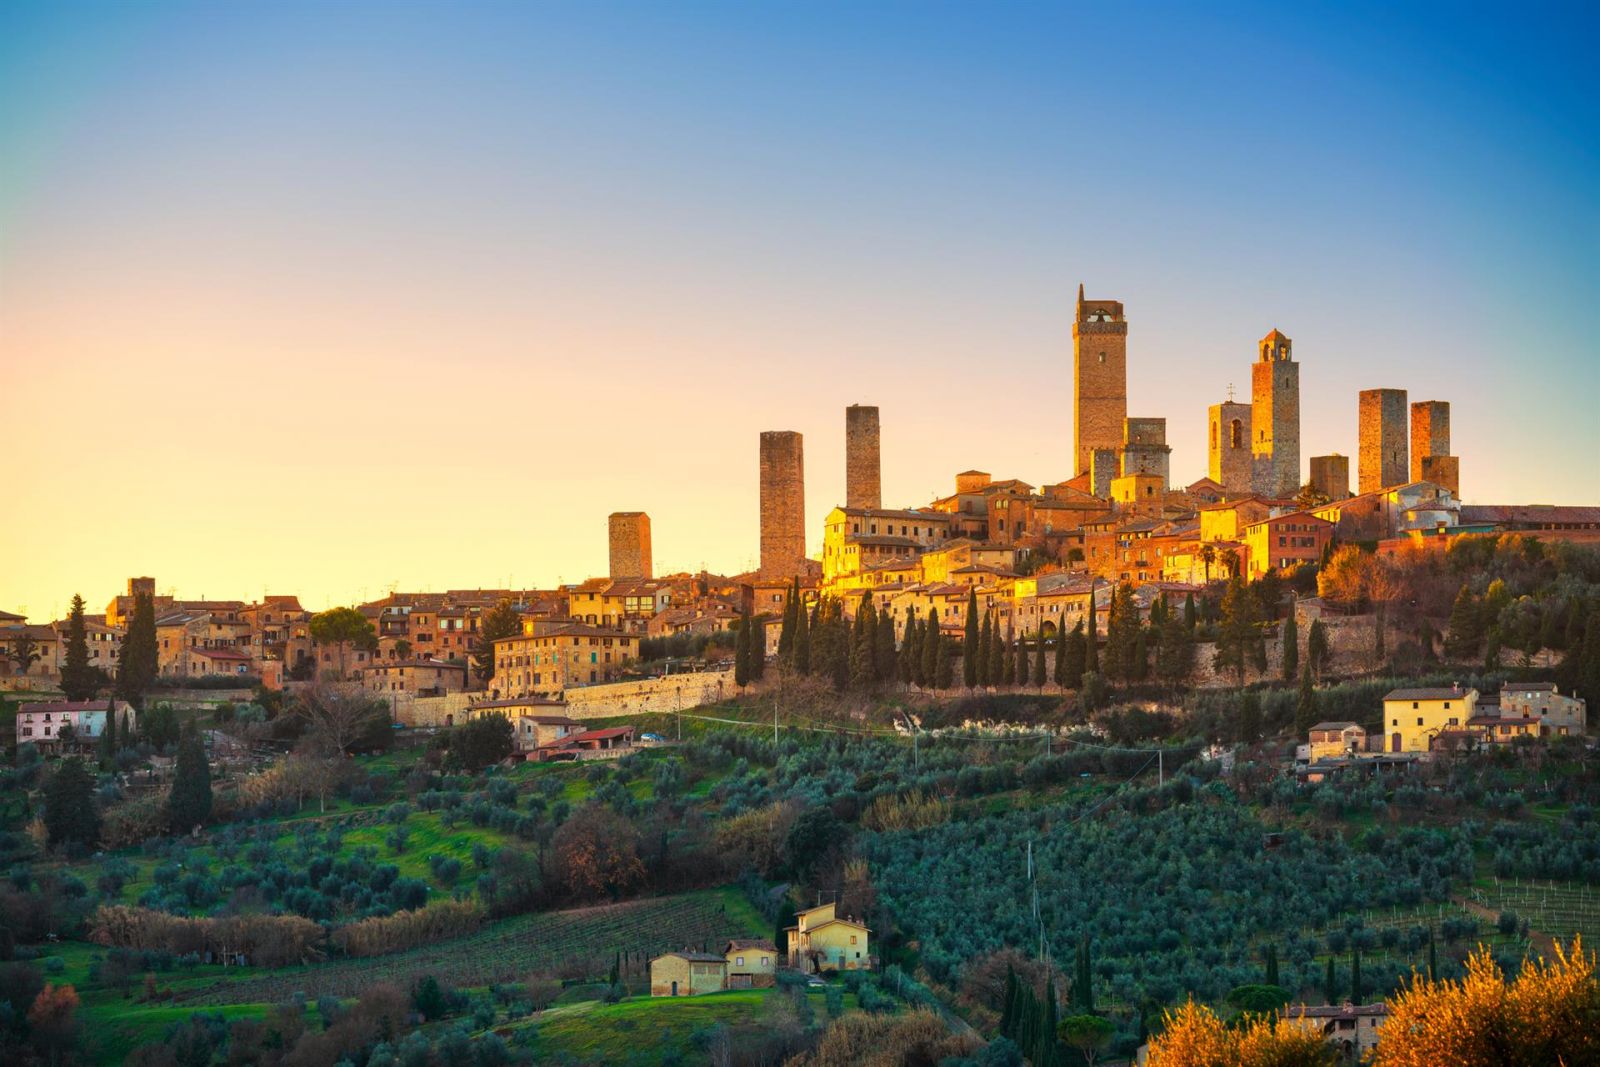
(1213, 436)
(1236, 434)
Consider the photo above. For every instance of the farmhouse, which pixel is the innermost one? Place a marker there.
(686, 973)
(1351, 1028)
(821, 941)
(1415, 717)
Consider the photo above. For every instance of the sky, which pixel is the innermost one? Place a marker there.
(337, 298)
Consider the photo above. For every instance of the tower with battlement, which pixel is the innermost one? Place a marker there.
(1382, 461)
(1099, 378)
(783, 504)
(862, 470)
(1330, 476)
(1275, 418)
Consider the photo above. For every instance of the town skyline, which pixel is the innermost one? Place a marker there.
(671, 274)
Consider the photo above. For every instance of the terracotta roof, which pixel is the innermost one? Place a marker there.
(221, 653)
(54, 706)
(1335, 725)
(1426, 694)
(754, 944)
(695, 957)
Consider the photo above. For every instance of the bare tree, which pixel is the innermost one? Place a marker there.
(336, 714)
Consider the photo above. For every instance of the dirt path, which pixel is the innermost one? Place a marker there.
(1541, 941)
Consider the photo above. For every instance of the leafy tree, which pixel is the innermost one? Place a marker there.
(970, 653)
(1291, 648)
(596, 854)
(78, 680)
(345, 627)
(189, 803)
(499, 621)
(1089, 1034)
(1546, 1015)
(812, 837)
(1465, 632)
(429, 999)
(1239, 636)
(53, 1022)
(483, 740)
(341, 717)
(69, 811)
(160, 726)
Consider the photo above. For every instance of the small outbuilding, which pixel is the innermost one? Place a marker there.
(752, 963)
(686, 973)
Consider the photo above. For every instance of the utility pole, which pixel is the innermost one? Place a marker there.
(1161, 766)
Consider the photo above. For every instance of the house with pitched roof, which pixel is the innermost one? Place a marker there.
(822, 940)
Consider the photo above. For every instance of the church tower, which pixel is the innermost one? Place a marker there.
(1099, 378)
(1275, 418)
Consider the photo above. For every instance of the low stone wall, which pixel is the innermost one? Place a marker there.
(672, 692)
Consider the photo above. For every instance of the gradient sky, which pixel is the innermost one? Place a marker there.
(332, 298)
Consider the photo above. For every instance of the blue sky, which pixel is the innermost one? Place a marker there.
(571, 258)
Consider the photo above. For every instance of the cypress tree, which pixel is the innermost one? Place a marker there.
(1091, 638)
(1465, 628)
(944, 670)
(883, 652)
(108, 736)
(1008, 658)
(791, 608)
(1058, 670)
(1305, 711)
(1189, 617)
(1025, 663)
(1291, 648)
(1330, 987)
(1379, 645)
(69, 811)
(1272, 964)
(741, 653)
(1008, 1008)
(997, 659)
(189, 803)
(802, 642)
(1038, 658)
(1083, 980)
(985, 638)
(137, 664)
(758, 648)
(1141, 656)
(930, 650)
(1249, 717)
(77, 677)
(970, 653)
(1433, 958)
(911, 650)
(1317, 647)
(1075, 659)
(1045, 1054)
(1355, 976)
(863, 644)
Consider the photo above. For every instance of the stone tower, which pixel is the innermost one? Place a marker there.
(1430, 433)
(630, 545)
(862, 473)
(1275, 418)
(1330, 476)
(1102, 471)
(1382, 461)
(1145, 449)
(1099, 378)
(1229, 448)
(783, 504)
(1443, 471)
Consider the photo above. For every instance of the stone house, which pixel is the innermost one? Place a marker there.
(1351, 1028)
(415, 677)
(1332, 740)
(686, 974)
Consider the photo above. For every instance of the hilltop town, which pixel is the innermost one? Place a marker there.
(1254, 753)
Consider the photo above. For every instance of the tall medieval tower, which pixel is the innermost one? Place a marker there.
(862, 472)
(1382, 460)
(630, 544)
(1099, 378)
(1275, 418)
(1229, 447)
(783, 504)
(1431, 460)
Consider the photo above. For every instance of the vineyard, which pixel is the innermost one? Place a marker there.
(583, 939)
(1557, 909)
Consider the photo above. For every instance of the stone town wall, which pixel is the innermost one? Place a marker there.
(671, 692)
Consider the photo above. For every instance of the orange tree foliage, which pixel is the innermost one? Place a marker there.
(1549, 1014)
(1195, 1037)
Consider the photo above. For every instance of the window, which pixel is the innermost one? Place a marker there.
(1419, 720)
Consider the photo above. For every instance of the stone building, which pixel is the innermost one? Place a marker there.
(1099, 379)
(1330, 476)
(630, 545)
(1229, 448)
(783, 504)
(862, 470)
(1145, 449)
(1275, 418)
(1430, 440)
(1382, 460)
